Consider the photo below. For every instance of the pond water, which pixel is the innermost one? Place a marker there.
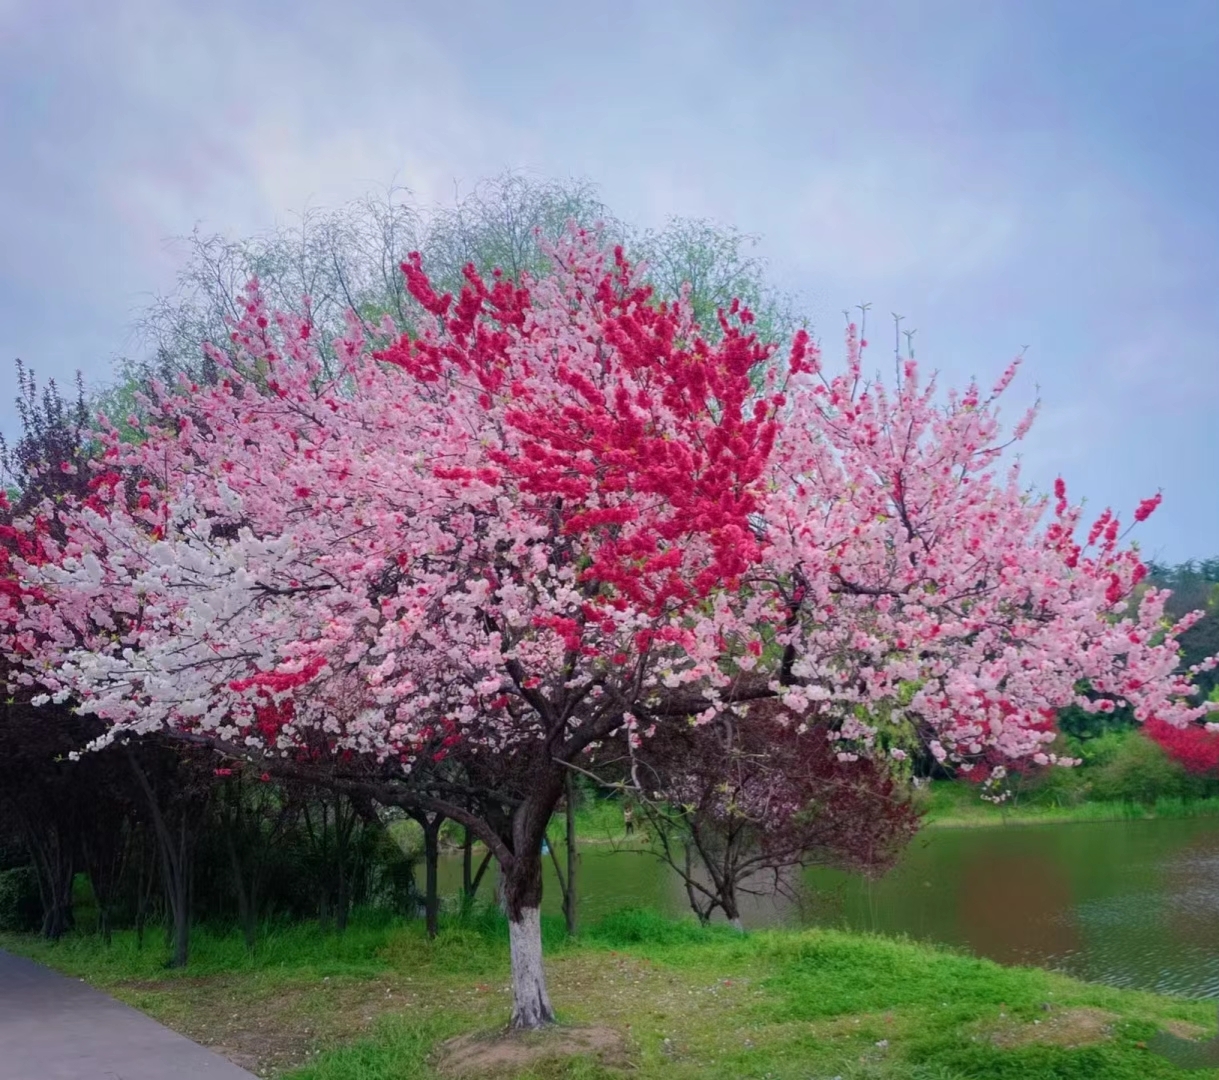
(1129, 903)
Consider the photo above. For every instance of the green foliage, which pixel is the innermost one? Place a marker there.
(1080, 725)
(716, 262)
(1055, 786)
(20, 903)
(1123, 774)
(1130, 767)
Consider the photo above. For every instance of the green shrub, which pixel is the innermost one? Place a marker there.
(1056, 787)
(642, 926)
(20, 903)
(1129, 767)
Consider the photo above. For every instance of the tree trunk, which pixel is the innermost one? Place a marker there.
(60, 871)
(522, 895)
(569, 896)
(54, 870)
(703, 911)
(179, 879)
(144, 885)
(431, 858)
(175, 866)
(731, 911)
(246, 912)
(471, 879)
(467, 863)
(341, 902)
(181, 913)
(105, 858)
(531, 1006)
(342, 847)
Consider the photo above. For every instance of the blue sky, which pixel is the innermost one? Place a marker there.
(1003, 174)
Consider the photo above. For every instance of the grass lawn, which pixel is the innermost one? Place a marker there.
(956, 804)
(682, 1001)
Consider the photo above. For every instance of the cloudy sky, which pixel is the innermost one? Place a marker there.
(1004, 174)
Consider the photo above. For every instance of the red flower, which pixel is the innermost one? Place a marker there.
(1147, 507)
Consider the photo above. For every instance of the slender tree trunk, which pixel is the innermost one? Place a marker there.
(341, 901)
(180, 898)
(702, 911)
(54, 869)
(467, 863)
(569, 897)
(181, 914)
(146, 880)
(471, 881)
(245, 906)
(104, 860)
(175, 867)
(431, 858)
(58, 917)
(343, 827)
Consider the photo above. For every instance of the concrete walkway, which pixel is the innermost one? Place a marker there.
(56, 1028)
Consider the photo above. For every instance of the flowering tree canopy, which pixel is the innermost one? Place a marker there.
(556, 513)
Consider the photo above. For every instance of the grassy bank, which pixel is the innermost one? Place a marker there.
(955, 804)
(685, 1002)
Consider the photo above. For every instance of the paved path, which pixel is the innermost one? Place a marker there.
(56, 1028)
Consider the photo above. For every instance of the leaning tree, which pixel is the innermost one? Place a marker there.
(554, 513)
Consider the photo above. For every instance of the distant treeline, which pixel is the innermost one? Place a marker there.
(1195, 587)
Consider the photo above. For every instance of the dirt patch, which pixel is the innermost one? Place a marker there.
(267, 1027)
(179, 983)
(1184, 1029)
(1062, 1027)
(495, 1055)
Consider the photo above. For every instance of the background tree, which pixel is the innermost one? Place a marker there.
(50, 804)
(736, 805)
(1195, 587)
(332, 262)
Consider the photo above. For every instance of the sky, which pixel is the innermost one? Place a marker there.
(1006, 175)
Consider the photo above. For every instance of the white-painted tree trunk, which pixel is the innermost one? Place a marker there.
(530, 1002)
(736, 924)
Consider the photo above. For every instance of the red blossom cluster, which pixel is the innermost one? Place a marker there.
(1196, 748)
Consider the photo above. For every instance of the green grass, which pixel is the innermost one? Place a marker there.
(956, 804)
(692, 1002)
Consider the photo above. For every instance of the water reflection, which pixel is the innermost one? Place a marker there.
(1127, 903)
(1011, 909)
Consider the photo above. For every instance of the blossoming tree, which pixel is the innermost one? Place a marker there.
(557, 515)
